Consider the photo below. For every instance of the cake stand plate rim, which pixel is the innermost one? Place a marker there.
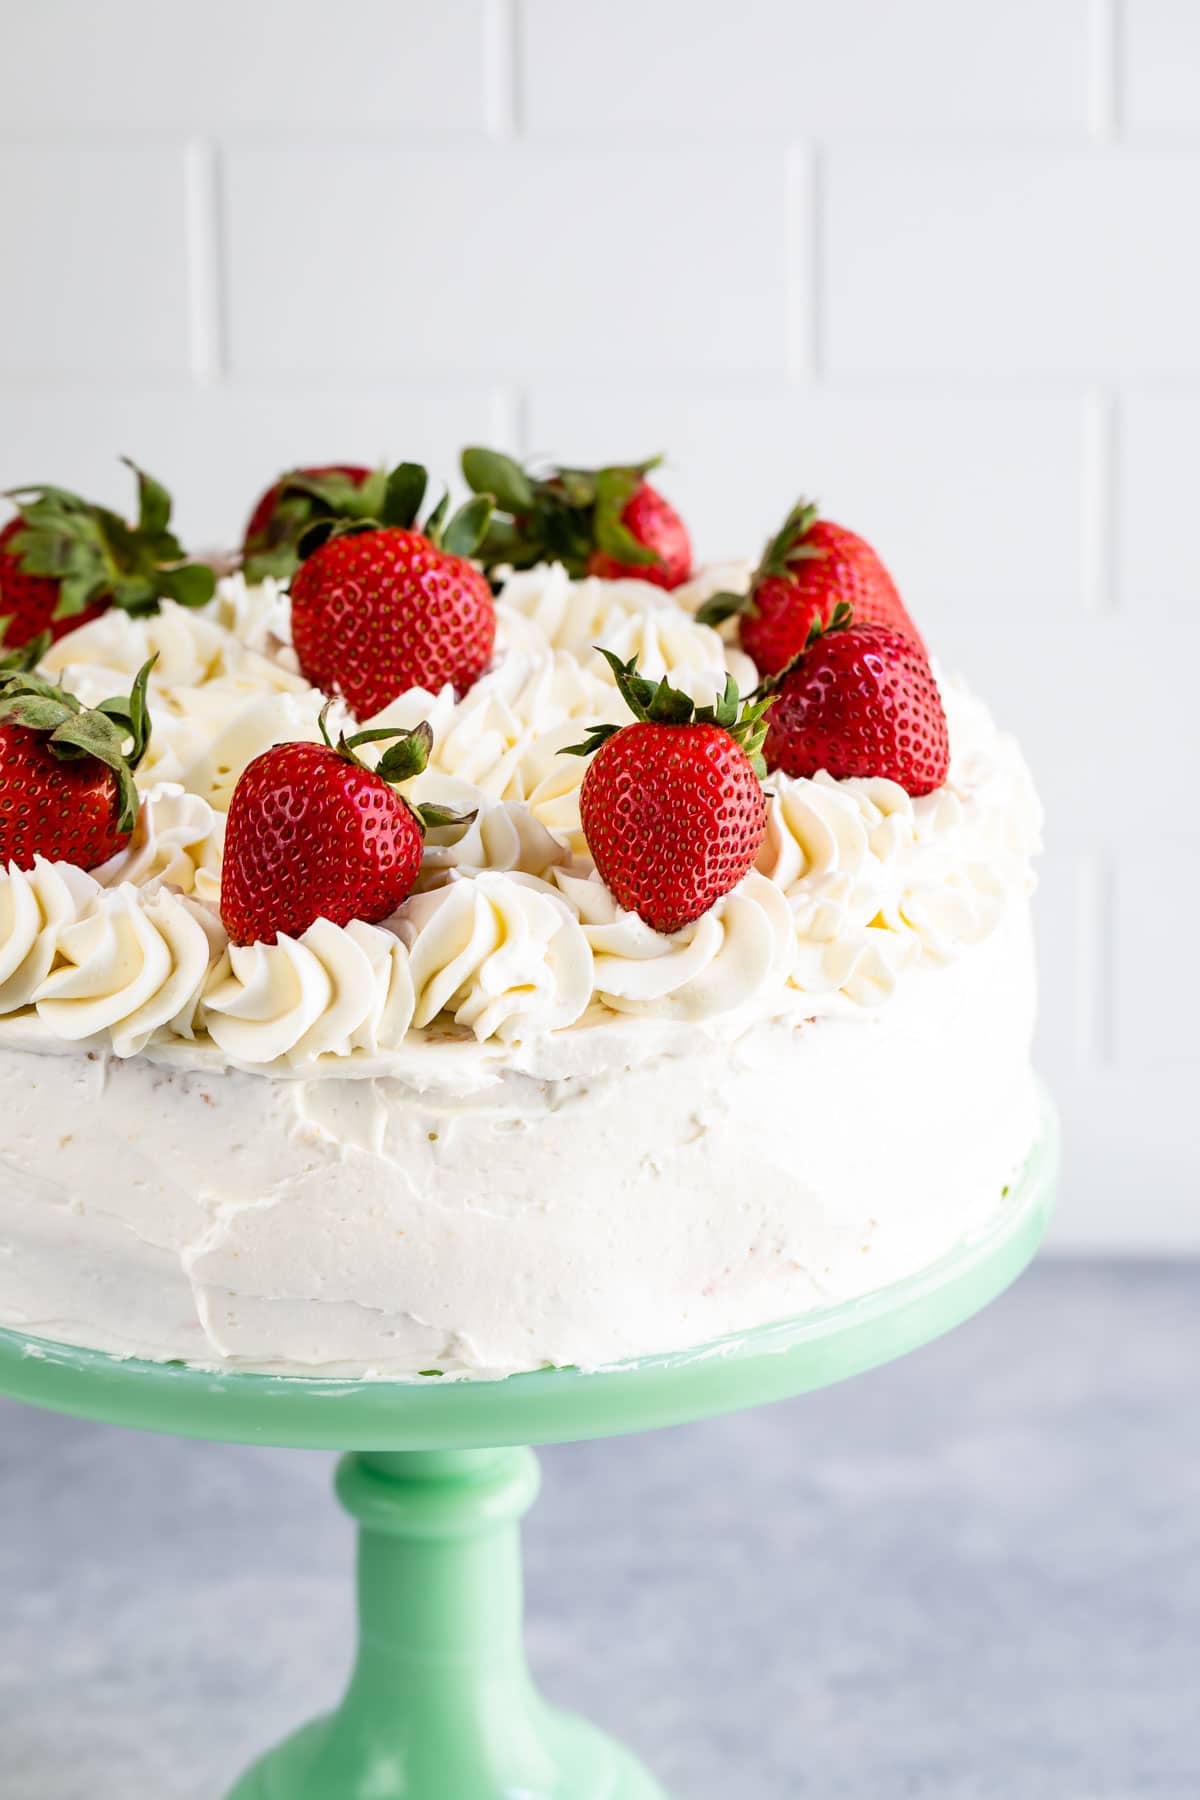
(769, 1362)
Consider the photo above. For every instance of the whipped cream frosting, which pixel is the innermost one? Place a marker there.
(510, 939)
(558, 1135)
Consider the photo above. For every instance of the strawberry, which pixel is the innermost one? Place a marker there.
(281, 516)
(66, 771)
(672, 806)
(380, 607)
(314, 834)
(859, 700)
(808, 569)
(64, 561)
(607, 522)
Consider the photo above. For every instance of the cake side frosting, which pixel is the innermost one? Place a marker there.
(387, 1227)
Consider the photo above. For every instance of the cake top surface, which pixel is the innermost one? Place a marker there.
(511, 951)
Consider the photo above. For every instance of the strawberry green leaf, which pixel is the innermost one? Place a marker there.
(136, 595)
(504, 543)
(409, 753)
(75, 732)
(408, 756)
(465, 532)
(36, 711)
(615, 488)
(436, 519)
(562, 515)
(191, 584)
(440, 818)
(154, 502)
(787, 549)
(94, 554)
(658, 703)
(25, 657)
(719, 607)
(596, 736)
(403, 496)
(132, 713)
(490, 472)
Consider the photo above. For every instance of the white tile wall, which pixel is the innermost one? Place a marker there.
(1073, 262)
(504, 260)
(1162, 66)
(936, 263)
(249, 65)
(778, 69)
(94, 260)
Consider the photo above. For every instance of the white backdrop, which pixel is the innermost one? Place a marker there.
(934, 261)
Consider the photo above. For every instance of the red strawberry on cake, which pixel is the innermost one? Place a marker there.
(315, 834)
(808, 569)
(64, 561)
(859, 700)
(294, 503)
(608, 522)
(672, 806)
(66, 771)
(384, 605)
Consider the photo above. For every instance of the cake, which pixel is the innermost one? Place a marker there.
(511, 1124)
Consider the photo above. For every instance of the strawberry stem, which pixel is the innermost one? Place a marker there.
(398, 509)
(783, 555)
(561, 516)
(658, 703)
(95, 556)
(407, 758)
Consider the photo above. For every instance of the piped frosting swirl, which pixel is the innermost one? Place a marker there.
(511, 939)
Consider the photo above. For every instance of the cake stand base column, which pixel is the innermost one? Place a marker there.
(441, 1705)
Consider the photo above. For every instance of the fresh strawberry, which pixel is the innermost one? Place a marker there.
(859, 700)
(314, 834)
(672, 807)
(808, 569)
(270, 545)
(653, 525)
(607, 522)
(66, 772)
(64, 561)
(381, 607)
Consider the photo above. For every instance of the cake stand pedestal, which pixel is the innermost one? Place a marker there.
(440, 1705)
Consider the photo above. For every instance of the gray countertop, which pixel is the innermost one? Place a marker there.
(974, 1574)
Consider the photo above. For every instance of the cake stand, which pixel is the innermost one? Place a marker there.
(440, 1705)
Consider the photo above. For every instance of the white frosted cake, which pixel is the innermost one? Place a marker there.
(511, 1124)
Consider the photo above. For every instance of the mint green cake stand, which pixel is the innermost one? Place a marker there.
(440, 1705)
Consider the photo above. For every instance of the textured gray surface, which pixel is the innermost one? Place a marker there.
(975, 1574)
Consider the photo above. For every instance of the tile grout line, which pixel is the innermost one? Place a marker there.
(1098, 509)
(502, 28)
(1095, 1023)
(1105, 50)
(517, 400)
(206, 287)
(805, 264)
